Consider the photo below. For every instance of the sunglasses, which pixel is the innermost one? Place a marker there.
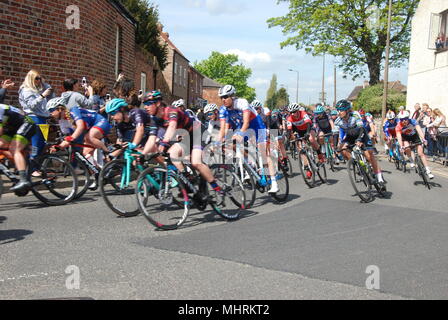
(38, 78)
(210, 114)
(150, 103)
(225, 97)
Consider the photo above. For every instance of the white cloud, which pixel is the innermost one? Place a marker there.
(217, 7)
(260, 82)
(250, 58)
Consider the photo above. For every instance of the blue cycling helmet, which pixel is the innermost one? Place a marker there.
(343, 105)
(113, 106)
(319, 109)
(334, 113)
(152, 97)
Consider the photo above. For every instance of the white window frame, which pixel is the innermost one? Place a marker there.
(143, 79)
(117, 50)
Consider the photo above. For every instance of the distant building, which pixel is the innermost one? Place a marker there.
(195, 81)
(428, 61)
(176, 72)
(210, 91)
(394, 85)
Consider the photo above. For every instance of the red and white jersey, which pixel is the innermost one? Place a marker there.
(300, 122)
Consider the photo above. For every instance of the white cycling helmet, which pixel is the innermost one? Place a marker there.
(404, 115)
(179, 103)
(54, 103)
(293, 107)
(391, 115)
(227, 90)
(210, 108)
(256, 104)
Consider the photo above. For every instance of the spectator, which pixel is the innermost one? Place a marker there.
(438, 127)
(33, 97)
(99, 96)
(201, 116)
(417, 111)
(75, 99)
(125, 89)
(5, 85)
(439, 43)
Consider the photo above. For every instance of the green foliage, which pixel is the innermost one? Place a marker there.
(282, 98)
(344, 29)
(147, 34)
(271, 96)
(225, 69)
(371, 99)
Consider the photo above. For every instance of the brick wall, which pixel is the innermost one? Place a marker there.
(211, 95)
(195, 80)
(33, 34)
(144, 64)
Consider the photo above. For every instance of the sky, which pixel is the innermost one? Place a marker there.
(198, 27)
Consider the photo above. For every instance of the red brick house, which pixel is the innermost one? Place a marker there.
(210, 91)
(195, 80)
(34, 35)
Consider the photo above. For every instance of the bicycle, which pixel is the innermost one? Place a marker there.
(329, 152)
(361, 175)
(57, 184)
(256, 177)
(192, 183)
(397, 156)
(419, 166)
(314, 166)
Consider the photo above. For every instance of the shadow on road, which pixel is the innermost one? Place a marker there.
(432, 184)
(9, 236)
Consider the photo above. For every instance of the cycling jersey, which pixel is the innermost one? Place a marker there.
(91, 119)
(300, 122)
(389, 128)
(323, 123)
(137, 117)
(349, 128)
(366, 122)
(409, 130)
(16, 126)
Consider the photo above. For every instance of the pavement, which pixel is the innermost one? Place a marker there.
(322, 244)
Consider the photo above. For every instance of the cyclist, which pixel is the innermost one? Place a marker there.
(324, 125)
(352, 131)
(389, 131)
(89, 126)
(409, 132)
(136, 121)
(212, 123)
(173, 119)
(16, 131)
(236, 114)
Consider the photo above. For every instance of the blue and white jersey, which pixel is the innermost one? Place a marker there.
(345, 125)
(234, 116)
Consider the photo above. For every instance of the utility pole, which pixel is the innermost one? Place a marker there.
(323, 82)
(335, 84)
(386, 69)
(298, 78)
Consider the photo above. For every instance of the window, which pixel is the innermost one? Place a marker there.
(185, 77)
(438, 31)
(175, 72)
(143, 82)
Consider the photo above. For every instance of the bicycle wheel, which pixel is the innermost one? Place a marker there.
(422, 171)
(118, 194)
(81, 171)
(283, 185)
(232, 188)
(249, 184)
(359, 180)
(310, 181)
(57, 184)
(322, 172)
(1, 186)
(158, 195)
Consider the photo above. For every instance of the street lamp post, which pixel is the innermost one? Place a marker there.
(297, 92)
(386, 69)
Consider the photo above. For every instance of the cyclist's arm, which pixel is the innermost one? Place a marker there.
(80, 128)
(332, 125)
(170, 131)
(139, 134)
(223, 130)
(246, 121)
(420, 132)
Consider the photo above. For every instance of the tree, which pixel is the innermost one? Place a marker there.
(282, 98)
(225, 69)
(371, 99)
(271, 96)
(148, 34)
(348, 29)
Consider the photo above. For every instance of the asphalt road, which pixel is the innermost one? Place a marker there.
(317, 246)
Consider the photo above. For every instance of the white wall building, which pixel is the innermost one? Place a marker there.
(428, 63)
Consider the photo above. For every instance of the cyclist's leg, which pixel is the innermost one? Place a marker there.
(316, 146)
(5, 141)
(18, 144)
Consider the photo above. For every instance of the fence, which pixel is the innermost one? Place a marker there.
(439, 146)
